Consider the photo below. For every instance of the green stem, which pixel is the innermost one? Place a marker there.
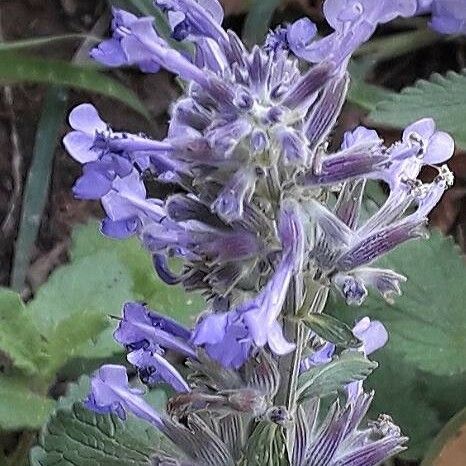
(314, 302)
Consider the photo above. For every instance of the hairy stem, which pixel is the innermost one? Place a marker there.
(314, 302)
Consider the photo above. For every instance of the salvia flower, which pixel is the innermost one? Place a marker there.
(245, 194)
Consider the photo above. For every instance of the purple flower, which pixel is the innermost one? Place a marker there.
(353, 21)
(449, 16)
(141, 328)
(111, 393)
(421, 145)
(254, 323)
(372, 334)
(194, 18)
(154, 368)
(338, 440)
(124, 48)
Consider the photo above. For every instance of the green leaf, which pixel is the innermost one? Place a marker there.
(258, 20)
(401, 391)
(19, 339)
(395, 45)
(331, 329)
(38, 180)
(426, 324)
(102, 276)
(21, 408)
(326, 379)
(15, 68)
(71, 334)
(364, 94)
(449, 447)
(266, 446)
(442, 98)
(170, 300)
(77, 436)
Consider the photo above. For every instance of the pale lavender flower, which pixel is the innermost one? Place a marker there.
(448, 16)
(372, 334)
(253, 324)
(111, 393)
(353, 21)
(338, 440)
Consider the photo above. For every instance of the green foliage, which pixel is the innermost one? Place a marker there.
(442, 98)
(20, 406)
(41, 41)
(67, 324)
(79, 436)
(421, 376)
(20, 342)
(15, 68)
(326, 379)
(331, 329)
(266, 446)
(426, 324)
(401, 392)
(73, 435)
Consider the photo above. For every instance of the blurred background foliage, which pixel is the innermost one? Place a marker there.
(61, 280)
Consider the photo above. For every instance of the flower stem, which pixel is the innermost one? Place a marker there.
(314, 302)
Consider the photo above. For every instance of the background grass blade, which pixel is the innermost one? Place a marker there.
(41, 41)
(15, 68)
(38, 180)
(258, 20)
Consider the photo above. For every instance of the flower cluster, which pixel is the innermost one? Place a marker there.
(259, 212)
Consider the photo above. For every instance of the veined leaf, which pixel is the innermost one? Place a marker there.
(78, 436)
(15, 68)
(69, 336)
(426, 324)
(442, 97)
(326, 379)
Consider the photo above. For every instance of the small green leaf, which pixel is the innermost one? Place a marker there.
(170, 300)
(326, 379)
(21, 408)
(266, 446)
(19, 339)
(442, 97)
(15, 68)
(77, 436)
(331, 329)
(102, 276)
